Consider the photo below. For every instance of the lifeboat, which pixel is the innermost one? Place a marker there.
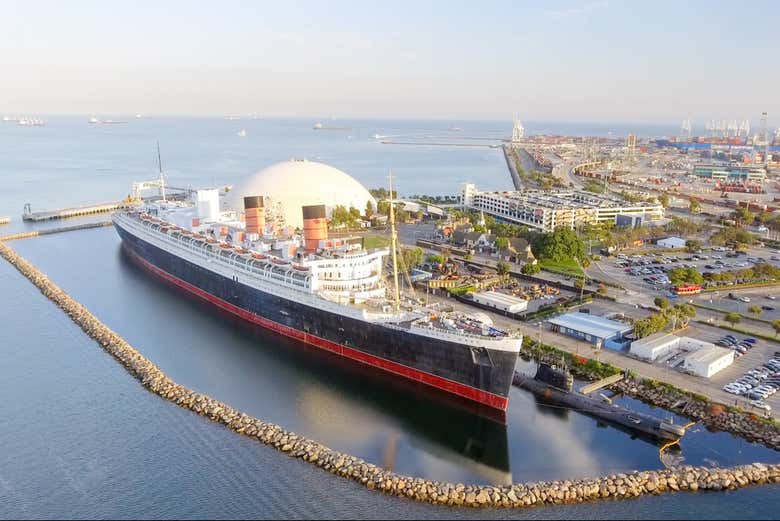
(211, 241)
(279, 261)
(300, 267)
(259, 255)
(225, 245)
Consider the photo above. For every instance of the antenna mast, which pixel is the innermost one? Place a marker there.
(159, 166)
(393, 245)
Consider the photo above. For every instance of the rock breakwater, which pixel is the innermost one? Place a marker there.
(617, 486)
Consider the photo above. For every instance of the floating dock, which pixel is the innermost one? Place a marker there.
(69, 212)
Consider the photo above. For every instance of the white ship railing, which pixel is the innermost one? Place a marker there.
(263, 282)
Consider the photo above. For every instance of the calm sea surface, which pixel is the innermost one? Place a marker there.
(81, 438)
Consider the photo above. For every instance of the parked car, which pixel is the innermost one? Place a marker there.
(761, 405)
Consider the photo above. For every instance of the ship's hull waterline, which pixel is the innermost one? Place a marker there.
(447, 366)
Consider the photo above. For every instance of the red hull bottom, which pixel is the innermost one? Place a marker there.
(458, 389)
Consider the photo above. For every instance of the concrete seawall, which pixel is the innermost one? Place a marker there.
(371, 476)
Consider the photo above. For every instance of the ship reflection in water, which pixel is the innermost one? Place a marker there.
(429, 439)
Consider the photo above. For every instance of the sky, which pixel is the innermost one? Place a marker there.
(563, 60)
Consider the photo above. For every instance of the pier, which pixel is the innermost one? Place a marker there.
(604, 382)
(64, 213)
(50, 231)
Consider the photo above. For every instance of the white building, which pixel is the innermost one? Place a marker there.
(708, 361)
(546, 210)
(654, 346)
(660, 344)
(671, 242)
(501, 301)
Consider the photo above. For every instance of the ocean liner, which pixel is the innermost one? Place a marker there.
(326, 292)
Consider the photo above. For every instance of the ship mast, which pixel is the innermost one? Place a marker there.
(393, 245)
(159, 165)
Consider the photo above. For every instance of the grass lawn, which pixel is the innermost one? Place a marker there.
(375, 241)
(562, 268)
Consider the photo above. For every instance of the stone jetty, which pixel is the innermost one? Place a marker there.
(618, 486)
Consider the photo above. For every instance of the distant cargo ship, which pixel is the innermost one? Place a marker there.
(320, 126)
(328, 293)
(95, 121)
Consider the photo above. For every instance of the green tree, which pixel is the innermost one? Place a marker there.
(680, 314)
(661, 302)
(694, 206)
(776, 327)
(530, 269)
(743, 216)
(732, 318)
(563, 244)
(693, 245)
(755, 310)
(663, 200)
(682, 276)
(369, 209)
(502, 268)
(652, 324)
(411, 257)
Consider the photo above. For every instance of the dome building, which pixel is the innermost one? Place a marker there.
(297, 183)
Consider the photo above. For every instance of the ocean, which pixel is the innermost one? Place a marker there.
(83, 439)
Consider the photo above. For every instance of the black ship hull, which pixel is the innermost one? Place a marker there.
(459, 369)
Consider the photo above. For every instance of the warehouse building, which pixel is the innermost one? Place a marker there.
(501, 301)
(708, 361)
(671, 242)
(597, 330)
(661, 344)
(548, 209)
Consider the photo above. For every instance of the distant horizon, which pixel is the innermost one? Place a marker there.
(130, 116)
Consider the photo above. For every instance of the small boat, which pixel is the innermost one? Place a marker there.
(242, 133)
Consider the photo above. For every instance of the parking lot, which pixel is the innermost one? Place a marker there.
(649, 271)
(761, 353)
(740, 301)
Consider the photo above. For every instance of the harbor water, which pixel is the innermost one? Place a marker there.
(123, 452)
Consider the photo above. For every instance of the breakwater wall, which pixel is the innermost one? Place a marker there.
(50, 231)
(371, 476)
(510, 163)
